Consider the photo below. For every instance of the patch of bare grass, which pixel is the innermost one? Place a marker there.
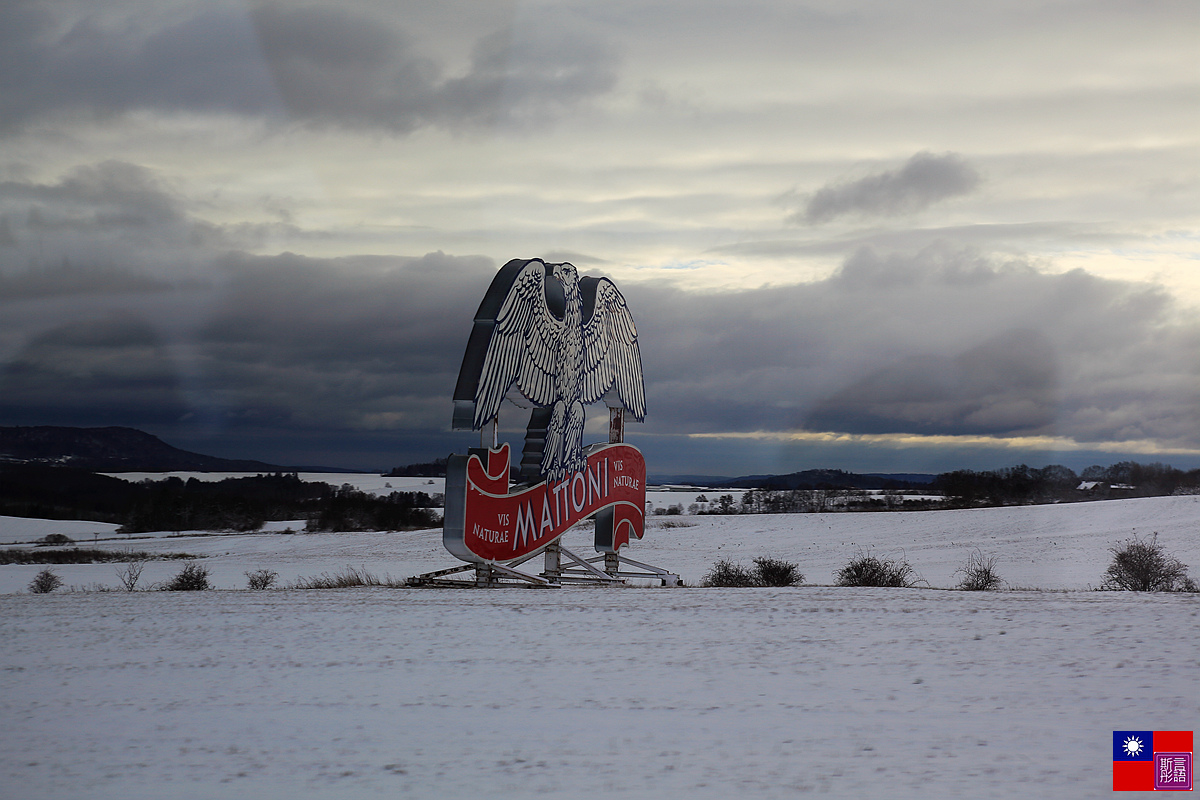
(347, 578)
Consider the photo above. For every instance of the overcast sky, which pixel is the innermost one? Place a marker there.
(875, 235)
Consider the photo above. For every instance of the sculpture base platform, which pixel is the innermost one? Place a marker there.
(562, 566)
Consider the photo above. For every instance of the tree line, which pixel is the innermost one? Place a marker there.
(1023, 485)
(1019, 485)
(238, 504)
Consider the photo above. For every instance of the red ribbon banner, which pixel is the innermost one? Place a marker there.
(484, 523)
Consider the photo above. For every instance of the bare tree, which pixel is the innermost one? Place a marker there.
(131, 574)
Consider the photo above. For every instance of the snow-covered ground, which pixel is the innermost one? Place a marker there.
(15, 530)
(627, 692)
(1043, 547)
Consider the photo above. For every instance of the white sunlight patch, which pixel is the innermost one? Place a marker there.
(905, 440)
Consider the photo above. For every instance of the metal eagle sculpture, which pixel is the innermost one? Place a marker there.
(545, 338)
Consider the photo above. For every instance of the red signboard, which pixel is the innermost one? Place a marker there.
(485, 523)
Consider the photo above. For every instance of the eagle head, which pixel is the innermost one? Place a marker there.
(566, 273)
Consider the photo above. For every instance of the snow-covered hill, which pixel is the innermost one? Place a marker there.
(1044, 547)
(608, 692)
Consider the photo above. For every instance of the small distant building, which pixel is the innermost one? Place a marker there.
(1104, 489)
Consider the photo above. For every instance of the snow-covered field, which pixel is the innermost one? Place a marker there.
(1042, 547)
(628, 692)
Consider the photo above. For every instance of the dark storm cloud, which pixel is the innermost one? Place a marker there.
(322, 65)
(1007, 384)
(521, 79)
(334, 67)
(113, 226)
(70, 279)
(96, 196)
(357, 342)
(51, 65)
(112, 368)
(943, 341)
(224, 340)
(922, 181)
(282, 342)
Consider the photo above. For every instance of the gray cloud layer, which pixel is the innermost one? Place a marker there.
(922, 181)
(936, 343)
(105, 225)
(105, 322)
(942, 341)
(325, 66)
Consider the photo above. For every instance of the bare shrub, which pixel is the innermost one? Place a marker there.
(766, 572)
(45, 582)
(776, 572)
(55, 539)
(261, 579)
(131, 574)
(1140, 565)
(192, 578)
(726, 573)
(979, 574)
(870, 570)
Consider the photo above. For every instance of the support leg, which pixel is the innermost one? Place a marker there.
(616, 425)
(553, 570)
(489, 434)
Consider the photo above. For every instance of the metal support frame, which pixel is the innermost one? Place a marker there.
(580, 570)
(577, 570)
(562, 566)
(486, 576)
(613, 563)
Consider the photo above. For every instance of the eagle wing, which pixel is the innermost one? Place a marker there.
(523, 347)
(612, 361)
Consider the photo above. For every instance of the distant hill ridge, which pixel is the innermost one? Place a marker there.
(118, 449)
(832, 479)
